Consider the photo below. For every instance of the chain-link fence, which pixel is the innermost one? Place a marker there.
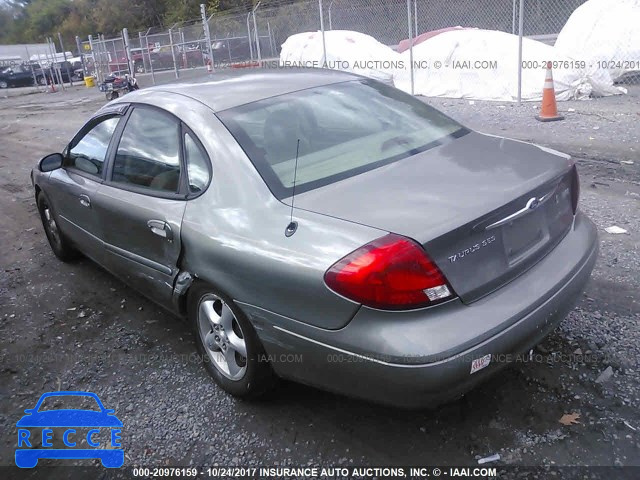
(179, 47)
(242, 38)
(276, 24)
(547, 17)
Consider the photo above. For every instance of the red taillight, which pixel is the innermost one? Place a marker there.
(575, 189)
(390, 273)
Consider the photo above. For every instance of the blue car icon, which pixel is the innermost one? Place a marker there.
(110, 453)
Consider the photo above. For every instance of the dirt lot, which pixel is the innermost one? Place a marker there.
(75, 327)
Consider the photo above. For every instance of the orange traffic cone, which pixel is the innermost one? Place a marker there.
(549, 110)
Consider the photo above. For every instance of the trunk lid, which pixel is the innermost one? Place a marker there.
(485, 208)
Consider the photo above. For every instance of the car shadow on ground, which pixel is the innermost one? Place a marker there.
(521, 398)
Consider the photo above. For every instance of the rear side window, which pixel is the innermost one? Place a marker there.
(89, 153)
(148, 155)
(197, 164)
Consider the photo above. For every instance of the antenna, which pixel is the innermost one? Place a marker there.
(293, 226)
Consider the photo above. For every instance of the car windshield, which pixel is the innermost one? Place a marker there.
(67, 402)
(337, 131)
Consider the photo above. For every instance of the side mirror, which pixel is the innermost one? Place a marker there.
(50, 162)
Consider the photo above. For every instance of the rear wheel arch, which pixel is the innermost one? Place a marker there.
(259, 377)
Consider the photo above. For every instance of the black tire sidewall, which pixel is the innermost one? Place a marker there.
(258, 377)
(64, 251)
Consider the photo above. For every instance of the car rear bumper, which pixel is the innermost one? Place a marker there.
(424, 357)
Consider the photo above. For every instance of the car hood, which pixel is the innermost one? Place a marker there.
(432, 193)
(69, 418)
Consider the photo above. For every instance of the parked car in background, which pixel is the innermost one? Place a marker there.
(23, 75)
(66, 72)
(89, 68)
(137, 55)
(238, 49)
(191, 56)
(76, 65)
(20, 76)
(161, 58)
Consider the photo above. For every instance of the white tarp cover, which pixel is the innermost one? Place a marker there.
(604, 30)
(473, 50)
(346, 50)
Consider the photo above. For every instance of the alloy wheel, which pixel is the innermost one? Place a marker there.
(222, 337)
(51, 226)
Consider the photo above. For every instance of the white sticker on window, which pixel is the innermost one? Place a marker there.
(480, 363)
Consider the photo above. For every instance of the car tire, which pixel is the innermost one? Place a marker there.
(139, 67)
(42, 81)
(245, 376)
(4, 84)
(60, 245)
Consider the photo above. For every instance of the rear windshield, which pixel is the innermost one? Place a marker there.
(343, 130)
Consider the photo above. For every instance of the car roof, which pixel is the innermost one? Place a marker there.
(233, 87)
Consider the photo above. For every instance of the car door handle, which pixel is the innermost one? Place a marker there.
(161, 228)
(85, 201)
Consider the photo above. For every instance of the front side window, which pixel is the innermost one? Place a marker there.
(89, 153)
(148, 155)
(337, 130)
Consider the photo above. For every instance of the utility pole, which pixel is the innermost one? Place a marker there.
(127, 52)
(255, 28)
(84, 67)
(520, 37)
(64, 55)
(324, 41)
(173, 54)
(411, 41)
(207, 34)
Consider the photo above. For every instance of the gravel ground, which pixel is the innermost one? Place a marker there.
(73, 326)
